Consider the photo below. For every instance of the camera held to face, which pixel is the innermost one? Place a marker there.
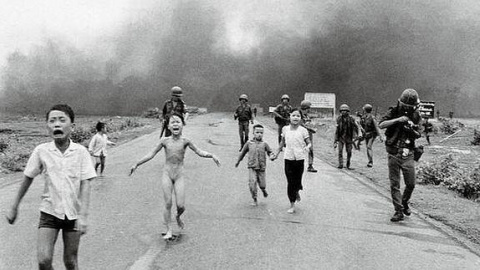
(412, 130)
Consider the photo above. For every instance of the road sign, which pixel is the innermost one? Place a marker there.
(322, 101)
(427, 109)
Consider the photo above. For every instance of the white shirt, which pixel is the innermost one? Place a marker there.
(98, 144)
(62, 174)
(295, 142)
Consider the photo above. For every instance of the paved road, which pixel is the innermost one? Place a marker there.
(341, 223)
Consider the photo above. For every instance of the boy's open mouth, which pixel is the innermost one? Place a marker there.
(57, 132)
(175, 128)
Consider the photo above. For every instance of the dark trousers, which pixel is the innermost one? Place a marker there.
(310, 152)
(243, 132)
(396, 164)
(294, 171)
(369, 145)
(348, 147)
(280, 127)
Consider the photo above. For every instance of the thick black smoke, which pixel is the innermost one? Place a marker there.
(361, 51)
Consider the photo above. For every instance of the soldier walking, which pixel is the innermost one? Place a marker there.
(402, 129)
(307, 123)
(244, 115)
(174, 105)
(282, 114)
(370, 131)
(345, 134)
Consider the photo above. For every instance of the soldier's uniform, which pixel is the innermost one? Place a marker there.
(400, 145)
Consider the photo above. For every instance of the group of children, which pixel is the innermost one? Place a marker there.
(295, 141)
(68, 169)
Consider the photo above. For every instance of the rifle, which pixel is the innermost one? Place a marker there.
(164, 127)
(357, 142)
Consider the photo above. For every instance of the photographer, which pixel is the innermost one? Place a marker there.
(402, 129)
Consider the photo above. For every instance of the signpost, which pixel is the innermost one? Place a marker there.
(427, 109)
(322, 101)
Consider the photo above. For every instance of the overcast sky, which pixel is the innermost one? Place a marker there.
(79, 22)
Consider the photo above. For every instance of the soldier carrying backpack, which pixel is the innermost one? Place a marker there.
(371, 131)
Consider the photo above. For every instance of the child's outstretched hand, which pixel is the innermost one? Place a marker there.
(132, 169)
(236, 164)
(216, 160)
(273, 157)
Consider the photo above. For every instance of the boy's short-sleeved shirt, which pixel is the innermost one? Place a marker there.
(295, 142)
(257, 154)
(63, 173)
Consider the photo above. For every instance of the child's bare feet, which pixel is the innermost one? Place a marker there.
(254, 203)
(168, 234)
(291, 210)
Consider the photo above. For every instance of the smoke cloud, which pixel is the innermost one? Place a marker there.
(363, 51)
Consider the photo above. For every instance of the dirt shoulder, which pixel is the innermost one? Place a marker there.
(460, 216)
(23, 134)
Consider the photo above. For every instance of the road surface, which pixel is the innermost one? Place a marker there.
(341, 222)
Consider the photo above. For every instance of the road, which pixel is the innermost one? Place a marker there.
(341, 222)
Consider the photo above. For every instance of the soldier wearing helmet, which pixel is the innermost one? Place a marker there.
(174, 105)
(244, 114)
(346, 132)
(307, 123)
(402, 129)
(370, 131)
(282, 114)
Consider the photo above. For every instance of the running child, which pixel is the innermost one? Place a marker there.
(173, 175)
(98, 146)
(67, 170)
(257, 161)
(296, 140)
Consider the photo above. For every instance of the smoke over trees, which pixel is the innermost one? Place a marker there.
(364, 52)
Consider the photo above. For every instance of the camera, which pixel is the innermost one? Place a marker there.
(411, 129)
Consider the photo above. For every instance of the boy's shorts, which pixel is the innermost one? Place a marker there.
(49, 221)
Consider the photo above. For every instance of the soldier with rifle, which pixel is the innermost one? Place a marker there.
(174, 105)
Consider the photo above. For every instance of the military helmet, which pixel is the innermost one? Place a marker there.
(177, 91)
(344, 107)
(305, 104)
(243, 96)
(285, 97)
(409, 97)
(367, 107)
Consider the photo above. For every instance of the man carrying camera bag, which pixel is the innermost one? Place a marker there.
(402, 129)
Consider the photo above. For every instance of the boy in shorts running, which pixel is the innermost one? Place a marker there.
(67, 170)
(258, 150)
(173, 178)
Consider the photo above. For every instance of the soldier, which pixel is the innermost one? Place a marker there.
(427, 128)
(282, 114)
(370, 131)
(402, 129)
(175, 104)
(244, 115)
(345, 134)
(307, 123)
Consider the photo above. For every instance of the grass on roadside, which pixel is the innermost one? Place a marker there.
(17, 145)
